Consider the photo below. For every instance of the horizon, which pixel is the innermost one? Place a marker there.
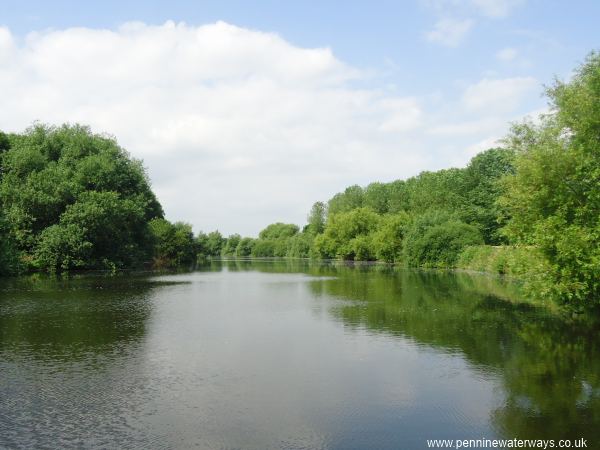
(256, 118)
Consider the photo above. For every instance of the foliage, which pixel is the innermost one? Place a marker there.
(553, 199)
(263, 248)
(387, 240)
(525, 263)
(351, 198)
(65, 186)
(99, 230)
(278, 231)
(346, 234)
(436, 239)
(231, 244)
(482, 190)
(9, 257)
(300, 245)
(173, 243)
(245, 247)
(316, 218)
(211, 244)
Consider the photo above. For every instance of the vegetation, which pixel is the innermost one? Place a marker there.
(72, 199)
(530, 209)
(174, 244)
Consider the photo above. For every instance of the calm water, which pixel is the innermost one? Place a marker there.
(288, 355)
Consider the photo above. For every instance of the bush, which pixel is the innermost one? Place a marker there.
(173, 243)
(436, 240)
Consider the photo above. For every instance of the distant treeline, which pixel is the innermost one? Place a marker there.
(530, 208)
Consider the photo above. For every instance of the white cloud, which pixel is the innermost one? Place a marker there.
(239, 128)
(449, 32)
(507, 54)
(499, 96)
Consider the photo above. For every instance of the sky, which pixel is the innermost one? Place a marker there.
(246, 113)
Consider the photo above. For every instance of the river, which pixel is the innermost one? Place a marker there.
(294, 355)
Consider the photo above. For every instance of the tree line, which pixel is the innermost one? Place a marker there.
(530, 208)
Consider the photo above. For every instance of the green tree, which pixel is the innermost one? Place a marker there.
(245, 247)
(482, 189)
(351, 198)
(388, 239)
(553, 199)
(214, 243)
(99, 230)
(278, 230)
(436, 239)
(173, 244)
(230, 247)
(345, 235)
(9, 257)
(376, 197)
(316, 218)
(50, 177)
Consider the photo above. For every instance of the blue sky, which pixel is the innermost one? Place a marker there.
(315, 95)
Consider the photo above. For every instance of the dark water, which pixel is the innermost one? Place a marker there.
(288, 355)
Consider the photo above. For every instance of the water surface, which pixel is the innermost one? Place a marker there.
(288, 355)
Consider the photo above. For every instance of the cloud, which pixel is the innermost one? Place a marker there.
(507, 54)
(449, 32)
(237, 127)
(500, 95)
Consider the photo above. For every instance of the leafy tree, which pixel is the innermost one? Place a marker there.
(345, 233)
(245, 247)
(376, 197)
(316, 218)
(482, 189)
(436, 239)
(9, 257)
(388, 239)
(63, 248)
(263, 248)
(279, 231)
(299, 245)
(230, 247)
(100, 230)
(55, 176)
(173, 244)
(351, 198)
(214, 243)
(553, 199)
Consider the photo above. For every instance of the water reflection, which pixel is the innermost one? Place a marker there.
(549, 364)
(289, 354)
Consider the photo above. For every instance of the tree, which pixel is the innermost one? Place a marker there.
(345, 235)
(388, 239)
(553, 199)
(436, 239)
(173, 244)
(482, 189)
(100, 230)
(214, 243)
(351, 198)
(316, 218)
(55, 176)
(230, 247)
(278, 230)
(245, 247)
(9, 257)
(376, 197)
